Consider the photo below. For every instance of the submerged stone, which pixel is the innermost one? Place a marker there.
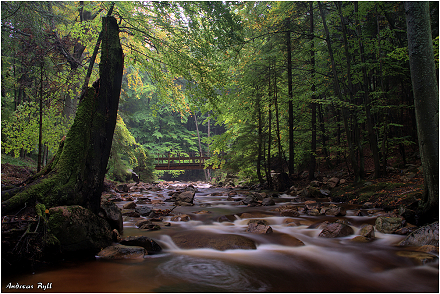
(121, 252)
(195, 239)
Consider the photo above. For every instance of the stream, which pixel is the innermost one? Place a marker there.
(321, 265)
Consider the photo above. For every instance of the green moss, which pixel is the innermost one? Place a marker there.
(40, 209)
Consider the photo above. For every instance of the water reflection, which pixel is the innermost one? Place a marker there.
(210, 272)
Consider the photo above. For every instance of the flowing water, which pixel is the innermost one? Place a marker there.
(322, 265)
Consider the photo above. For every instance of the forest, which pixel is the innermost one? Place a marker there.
(265, 86)
(271, 90)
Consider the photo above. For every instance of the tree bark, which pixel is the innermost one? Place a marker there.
(290, 89)
(426, 102)
(76, 174)
(312, 102)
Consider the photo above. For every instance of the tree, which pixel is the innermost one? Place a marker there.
(76, 174)
(425, 89)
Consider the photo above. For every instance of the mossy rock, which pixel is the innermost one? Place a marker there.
(78, 229)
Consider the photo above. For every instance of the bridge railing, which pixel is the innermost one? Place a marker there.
(188, 160)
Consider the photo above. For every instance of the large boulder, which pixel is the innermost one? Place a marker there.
(78, 229)
(150, 246)
(113, 214)
(426, 235)
(195, 239)
(388, 225)
(335, 230)
(184, 198)
(121, 252)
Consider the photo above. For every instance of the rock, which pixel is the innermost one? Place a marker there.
(421, 257)
(147, 243)
(291, 222)
(335, 211)
(226, 218)
(368, 205)
(367, 231)
(129, 205)
(388, 225)
(313, 212)
(361, 212)
(311, 204)
(130, 213)
(268, 201)
(360, 239)
(147, 225)
(121, 252)
(342, 181)
(286, 240)
(289, 212)
(259, 227)
(311, 192)
(78, 229)
(333, 182)
(335, 230)
(180, 218)
(426, 235)
(315, 183)
(143, 210)
(122, 188)
(113, 214)
(116, 236)
(184, 198)
(428, 249)
(196, 239)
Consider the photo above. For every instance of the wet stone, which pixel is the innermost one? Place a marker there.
(194, 239)
(121, 252)
(143, 210)
(335, 230)
(367, 231)
(130, 205)
(147, 243)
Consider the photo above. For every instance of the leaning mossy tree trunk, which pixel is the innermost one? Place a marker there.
(76, 174)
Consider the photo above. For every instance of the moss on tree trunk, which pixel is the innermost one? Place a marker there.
(76, 175)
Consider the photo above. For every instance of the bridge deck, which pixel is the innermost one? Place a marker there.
(188, 161)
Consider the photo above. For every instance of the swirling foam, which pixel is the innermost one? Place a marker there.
(211, 272)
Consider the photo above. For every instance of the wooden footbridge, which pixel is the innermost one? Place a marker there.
(182, 161)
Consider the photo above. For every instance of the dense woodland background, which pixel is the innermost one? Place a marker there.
(265, 86)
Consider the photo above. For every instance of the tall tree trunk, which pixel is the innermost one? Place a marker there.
(40, 123)
(200, 144)
(277, 119)
(269, 140)
(75, 175)
(426, 102)
(312, 103)
(290, 89)
(260, 139)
